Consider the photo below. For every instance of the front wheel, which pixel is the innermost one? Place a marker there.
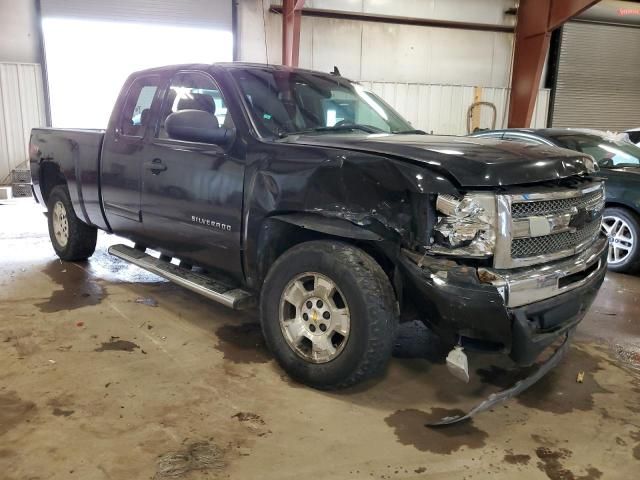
(328, 314)
(622, 229)
(72, 239)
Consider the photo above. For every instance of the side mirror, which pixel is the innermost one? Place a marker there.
(197, 126)
(605, 163)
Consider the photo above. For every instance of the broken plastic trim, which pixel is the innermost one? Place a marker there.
(519, 387)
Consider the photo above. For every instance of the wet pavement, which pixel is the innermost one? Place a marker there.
(109, 372)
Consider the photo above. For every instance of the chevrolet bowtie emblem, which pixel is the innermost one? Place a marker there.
(580, 219)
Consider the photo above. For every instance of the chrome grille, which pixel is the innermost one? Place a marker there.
(590, 201)
(547, 244)
(546, 224)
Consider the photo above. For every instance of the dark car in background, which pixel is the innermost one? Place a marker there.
(634, 136)
(619, 162)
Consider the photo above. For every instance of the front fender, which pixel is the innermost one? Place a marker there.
(330, 226)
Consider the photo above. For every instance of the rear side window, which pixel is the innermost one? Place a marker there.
(136, 112)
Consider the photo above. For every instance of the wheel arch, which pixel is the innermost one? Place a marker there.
(625, 206)
(281, 232)
(50, 176)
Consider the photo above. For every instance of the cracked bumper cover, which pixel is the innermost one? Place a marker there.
(522, 311)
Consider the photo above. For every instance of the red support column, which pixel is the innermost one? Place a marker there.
(536, 20)
(291, 17)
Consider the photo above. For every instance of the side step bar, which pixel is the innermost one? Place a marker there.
(196, 282)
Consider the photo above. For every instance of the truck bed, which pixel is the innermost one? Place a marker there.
(75, 153)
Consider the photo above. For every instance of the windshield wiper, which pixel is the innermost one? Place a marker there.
(409, 132)
(335, 128)
(622, 165)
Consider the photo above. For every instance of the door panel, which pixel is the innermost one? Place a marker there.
(192, 192)
(122, 156)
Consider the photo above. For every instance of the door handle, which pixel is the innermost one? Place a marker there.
(156, 166)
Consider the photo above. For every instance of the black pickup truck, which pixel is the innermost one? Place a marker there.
(307, 194)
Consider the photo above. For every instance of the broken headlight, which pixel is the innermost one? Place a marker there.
(466, 226)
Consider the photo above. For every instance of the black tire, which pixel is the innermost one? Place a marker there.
(630, 263)
(81, 238)
(371, 302)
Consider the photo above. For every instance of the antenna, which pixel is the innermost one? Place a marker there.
(335, 72)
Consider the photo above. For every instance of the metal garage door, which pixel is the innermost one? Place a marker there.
(195, 13)
(91, 46)
(598, 83)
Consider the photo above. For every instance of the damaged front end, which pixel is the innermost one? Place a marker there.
(481, 282)
(466, 227)
(508, 269)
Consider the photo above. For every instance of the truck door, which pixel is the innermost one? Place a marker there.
(191, 190)
(122, 155)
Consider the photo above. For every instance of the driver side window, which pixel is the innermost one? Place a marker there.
(194, 91)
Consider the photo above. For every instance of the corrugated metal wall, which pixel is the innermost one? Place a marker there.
(598, 84)
(442, 109)
(386, 52)
(21, 109)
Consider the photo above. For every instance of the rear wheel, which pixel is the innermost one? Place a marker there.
(622, 229)
(72, 239)
(328, 314)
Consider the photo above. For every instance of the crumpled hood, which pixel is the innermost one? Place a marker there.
(472, 162)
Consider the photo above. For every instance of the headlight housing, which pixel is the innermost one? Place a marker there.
(466, 226)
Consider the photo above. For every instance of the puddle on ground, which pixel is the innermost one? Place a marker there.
(242, 343)
(558, 391)
(409, 428)
(117, 345)
(78, 288)
(551, 464)
(6, 453)
(14, 411)
(636, 450)
(516, 458)
(59, 412)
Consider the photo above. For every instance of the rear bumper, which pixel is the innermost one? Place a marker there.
(519, 312)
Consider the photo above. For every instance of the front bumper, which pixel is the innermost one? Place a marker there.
(521, 312)
(528, 285)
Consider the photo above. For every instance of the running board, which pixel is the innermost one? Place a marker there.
(196, 282)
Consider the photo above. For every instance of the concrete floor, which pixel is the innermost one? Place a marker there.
(112, 373)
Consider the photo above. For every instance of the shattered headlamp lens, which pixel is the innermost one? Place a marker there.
(466, 226)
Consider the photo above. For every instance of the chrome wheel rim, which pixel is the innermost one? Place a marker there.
(621, 238)
(60, 224)
(314, 317)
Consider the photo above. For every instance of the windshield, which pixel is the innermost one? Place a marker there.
(608, 152)
(283, 102)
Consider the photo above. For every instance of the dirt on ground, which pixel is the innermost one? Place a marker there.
(97, 384)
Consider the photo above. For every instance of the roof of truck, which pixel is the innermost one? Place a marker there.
(228, 65)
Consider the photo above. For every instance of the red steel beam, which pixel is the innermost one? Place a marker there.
(536, 20)
(291, 18)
